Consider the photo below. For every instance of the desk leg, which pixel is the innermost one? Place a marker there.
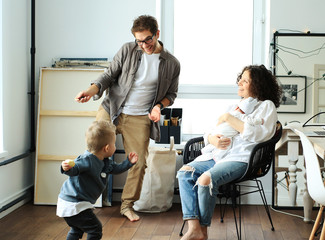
(293, 151)
(308, 203)
(276, 191)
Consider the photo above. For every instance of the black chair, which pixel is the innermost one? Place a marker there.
(259, 164)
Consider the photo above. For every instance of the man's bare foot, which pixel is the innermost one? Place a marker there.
(131, 216)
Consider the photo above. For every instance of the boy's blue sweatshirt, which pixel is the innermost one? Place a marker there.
(88, 178)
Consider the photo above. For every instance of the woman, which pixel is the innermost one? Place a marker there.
(200, 180)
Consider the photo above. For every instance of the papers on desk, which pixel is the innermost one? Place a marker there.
(316, 133)
(309, 130)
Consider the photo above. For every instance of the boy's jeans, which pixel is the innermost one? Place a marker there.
(84, 222)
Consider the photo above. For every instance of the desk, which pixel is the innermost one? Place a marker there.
(290, 145)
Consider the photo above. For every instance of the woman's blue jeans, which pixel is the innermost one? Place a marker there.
(198, 201)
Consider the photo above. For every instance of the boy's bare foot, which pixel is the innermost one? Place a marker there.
(131, 216)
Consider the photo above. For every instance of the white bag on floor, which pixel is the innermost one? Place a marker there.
(158, 184)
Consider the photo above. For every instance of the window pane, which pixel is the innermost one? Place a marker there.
(200, 115)
(213, 39)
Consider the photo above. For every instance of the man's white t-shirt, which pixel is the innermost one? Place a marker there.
(142, 93)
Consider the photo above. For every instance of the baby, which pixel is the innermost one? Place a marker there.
(245, 107)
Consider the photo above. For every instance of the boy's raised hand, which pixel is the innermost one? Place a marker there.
(133, 157)
(67, 164)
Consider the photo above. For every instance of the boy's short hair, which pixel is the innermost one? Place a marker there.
(145, 22)
(99, 134)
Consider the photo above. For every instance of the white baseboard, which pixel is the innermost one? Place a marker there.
(13, 208)
(26, 191)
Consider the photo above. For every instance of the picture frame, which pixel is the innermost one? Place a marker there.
(293, 98)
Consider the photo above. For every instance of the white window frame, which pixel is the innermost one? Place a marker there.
(2, 152)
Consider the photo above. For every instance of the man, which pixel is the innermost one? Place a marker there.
(141, 80)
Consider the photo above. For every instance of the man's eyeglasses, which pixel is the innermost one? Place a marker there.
(148, 40)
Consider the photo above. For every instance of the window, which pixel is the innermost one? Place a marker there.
(213, 40)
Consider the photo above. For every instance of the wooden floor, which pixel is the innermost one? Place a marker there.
(31, 222)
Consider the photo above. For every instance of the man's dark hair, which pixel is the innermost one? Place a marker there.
(145, 22)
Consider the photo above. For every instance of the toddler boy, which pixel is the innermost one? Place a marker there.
(87, 180)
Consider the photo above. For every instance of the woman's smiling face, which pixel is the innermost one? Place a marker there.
(244, 85)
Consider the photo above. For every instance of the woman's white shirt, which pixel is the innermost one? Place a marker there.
(243, 143)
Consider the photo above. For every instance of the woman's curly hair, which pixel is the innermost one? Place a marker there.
(264, 85)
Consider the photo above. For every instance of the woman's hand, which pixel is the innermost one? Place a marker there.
(219, 141)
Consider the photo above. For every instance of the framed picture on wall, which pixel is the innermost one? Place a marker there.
(293, 98)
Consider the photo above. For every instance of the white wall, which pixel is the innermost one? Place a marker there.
(97, 28)
(83, 28)
(299, 15)
(17, 177)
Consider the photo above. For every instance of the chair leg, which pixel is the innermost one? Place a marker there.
(322, 236)
(223, 210)
(181, 232)
(317, 224)
(233, 199)
(239, 214)
(266, 206)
